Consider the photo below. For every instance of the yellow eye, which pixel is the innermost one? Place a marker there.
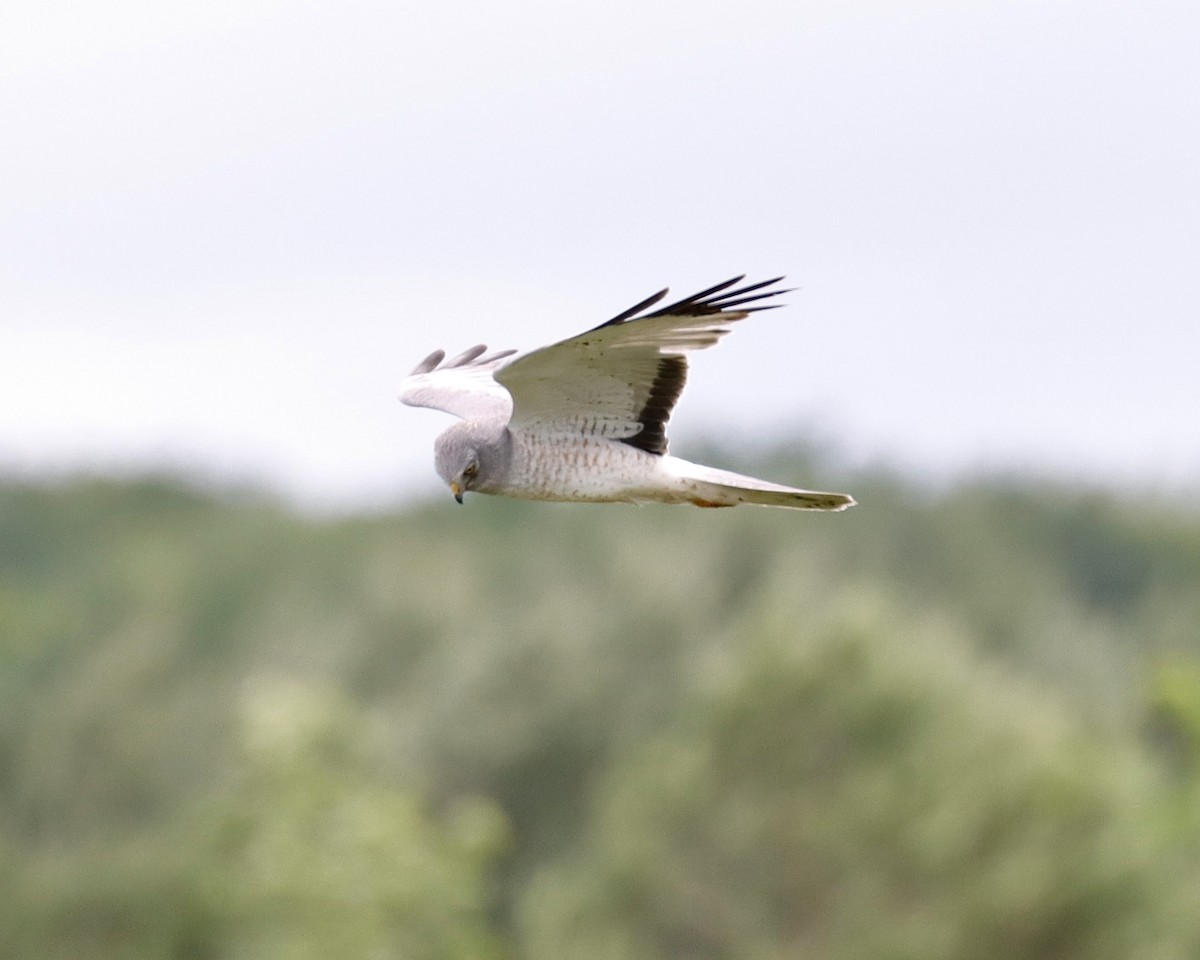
(471, 470)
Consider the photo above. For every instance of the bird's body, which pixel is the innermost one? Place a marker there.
(584, 420)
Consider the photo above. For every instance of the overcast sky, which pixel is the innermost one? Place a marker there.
(228, 229)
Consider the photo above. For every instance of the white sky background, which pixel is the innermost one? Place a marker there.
(228, 229)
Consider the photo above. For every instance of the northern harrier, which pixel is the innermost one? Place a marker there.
(585, 419)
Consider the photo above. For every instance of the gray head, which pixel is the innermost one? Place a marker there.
(473, 455)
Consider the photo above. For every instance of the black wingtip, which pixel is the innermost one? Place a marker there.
(714, 299)
(636, 308)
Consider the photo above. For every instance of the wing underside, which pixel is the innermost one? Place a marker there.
(464, 385)
(623, 378)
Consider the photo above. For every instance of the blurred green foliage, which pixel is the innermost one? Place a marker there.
(960, 724)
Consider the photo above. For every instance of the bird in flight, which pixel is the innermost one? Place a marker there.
(585, 419)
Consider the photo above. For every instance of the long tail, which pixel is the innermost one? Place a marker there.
(710, 487)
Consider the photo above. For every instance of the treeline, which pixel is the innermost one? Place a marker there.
(952, 725)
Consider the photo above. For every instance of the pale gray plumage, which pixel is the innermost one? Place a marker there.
(585, 419)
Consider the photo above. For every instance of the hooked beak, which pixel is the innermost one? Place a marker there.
(457, 491)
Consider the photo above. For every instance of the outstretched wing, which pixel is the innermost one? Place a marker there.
(463, 385)
(621, 379)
